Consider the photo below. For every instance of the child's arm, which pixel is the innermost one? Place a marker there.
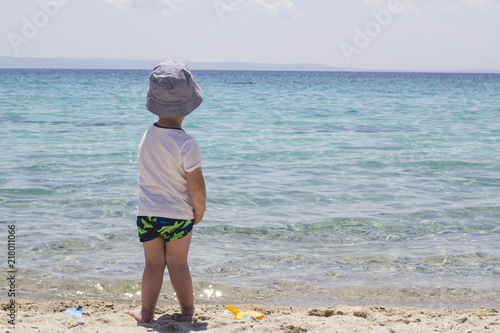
(198, 193)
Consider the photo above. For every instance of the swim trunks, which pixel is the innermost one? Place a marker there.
(150, 227)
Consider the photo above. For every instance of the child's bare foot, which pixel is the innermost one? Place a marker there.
(191, 311)
(140, 317)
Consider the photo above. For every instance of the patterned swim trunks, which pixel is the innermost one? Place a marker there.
(150, 227)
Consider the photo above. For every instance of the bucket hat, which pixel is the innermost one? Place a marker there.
(172, 90)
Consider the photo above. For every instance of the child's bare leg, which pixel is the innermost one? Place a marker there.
(152, 279)
(176, 254)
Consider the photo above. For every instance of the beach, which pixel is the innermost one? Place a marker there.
(350, 153)
(102, 316)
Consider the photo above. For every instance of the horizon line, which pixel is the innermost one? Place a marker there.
(147, 63)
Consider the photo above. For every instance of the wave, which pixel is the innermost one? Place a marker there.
(394, 228)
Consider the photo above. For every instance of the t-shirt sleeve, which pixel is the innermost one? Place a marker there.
(191, 156)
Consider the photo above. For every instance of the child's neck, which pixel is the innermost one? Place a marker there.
(170, 122)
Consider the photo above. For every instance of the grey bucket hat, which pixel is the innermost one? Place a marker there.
(172, 90)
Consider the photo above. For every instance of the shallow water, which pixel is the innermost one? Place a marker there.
(318, 183)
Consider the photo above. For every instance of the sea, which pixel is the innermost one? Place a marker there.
(324, 188)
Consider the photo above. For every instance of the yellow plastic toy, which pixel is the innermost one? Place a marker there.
(238, 314)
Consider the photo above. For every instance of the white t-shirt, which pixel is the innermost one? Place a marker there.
(165, 157)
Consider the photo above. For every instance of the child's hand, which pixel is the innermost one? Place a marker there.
(198, 193)
(197, 218)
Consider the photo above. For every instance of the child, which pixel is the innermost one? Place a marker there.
(172, 192)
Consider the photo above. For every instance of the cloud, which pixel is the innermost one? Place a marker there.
(483, 5)
(120, 4)
(409, 5)
(376, 4)
(277, 7)
(164, 6)
(400, 6)
(452, 8)
(271, 7)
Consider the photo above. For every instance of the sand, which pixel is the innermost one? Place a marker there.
(99, 316)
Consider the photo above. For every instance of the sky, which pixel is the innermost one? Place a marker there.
(415, 35)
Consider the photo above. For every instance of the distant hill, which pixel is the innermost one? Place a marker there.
(242, 66)
(13, 62)
(100, 63)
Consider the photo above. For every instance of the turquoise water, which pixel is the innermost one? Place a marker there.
(322, 187)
